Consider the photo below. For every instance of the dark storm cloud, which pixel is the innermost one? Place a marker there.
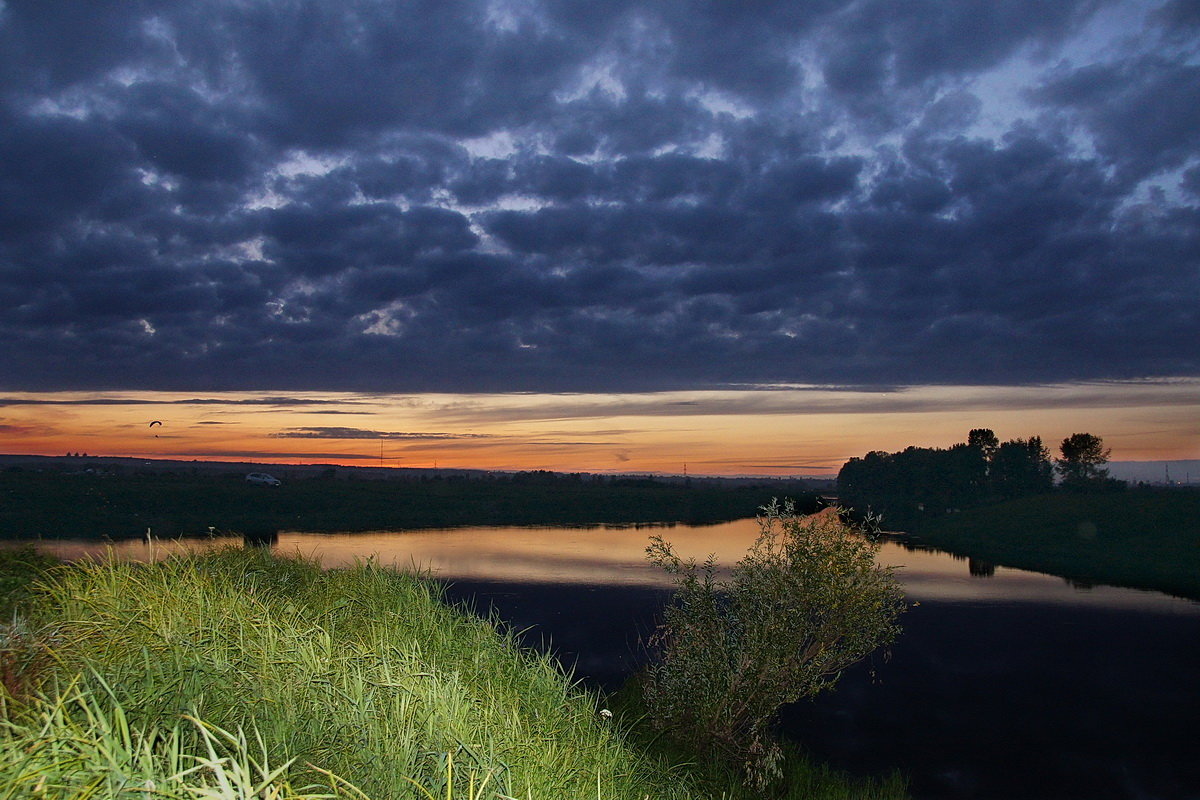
(316, 239)
(1145, 111)
(496, 196)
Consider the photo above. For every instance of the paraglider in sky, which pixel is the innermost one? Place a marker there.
(158, 423)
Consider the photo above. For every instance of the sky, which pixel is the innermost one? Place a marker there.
(757, 237)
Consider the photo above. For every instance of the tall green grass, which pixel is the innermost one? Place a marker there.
(238, 674)
(361, 672)
(81, 745)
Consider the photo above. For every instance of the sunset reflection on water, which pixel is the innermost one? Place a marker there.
(616, 556)
(605, 555)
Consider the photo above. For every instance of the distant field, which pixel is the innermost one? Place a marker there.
(56, 505)
(1147, 539)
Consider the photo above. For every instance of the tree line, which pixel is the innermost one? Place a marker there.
(921, 481)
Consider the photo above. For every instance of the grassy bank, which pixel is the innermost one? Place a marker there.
(258, 670)
(54, 505)
(1146, 539)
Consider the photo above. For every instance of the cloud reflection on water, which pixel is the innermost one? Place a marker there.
(615, 556)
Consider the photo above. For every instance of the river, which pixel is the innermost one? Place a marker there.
(1003, 684)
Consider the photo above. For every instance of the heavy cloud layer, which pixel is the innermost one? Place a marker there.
(468, 195)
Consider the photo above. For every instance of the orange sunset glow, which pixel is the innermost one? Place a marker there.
(781, 431)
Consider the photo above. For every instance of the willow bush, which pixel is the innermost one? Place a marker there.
(805, 602)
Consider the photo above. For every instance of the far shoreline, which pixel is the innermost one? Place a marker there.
(1143, 538)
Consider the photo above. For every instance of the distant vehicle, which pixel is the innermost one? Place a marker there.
(262, 479)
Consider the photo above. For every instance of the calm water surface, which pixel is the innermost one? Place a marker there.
(1004, 683)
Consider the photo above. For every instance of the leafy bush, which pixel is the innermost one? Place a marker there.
(807, 601)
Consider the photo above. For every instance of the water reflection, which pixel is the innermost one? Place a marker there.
(128, 549)
(980, 569)
(260, 537)
(612, 556)
(615, 556)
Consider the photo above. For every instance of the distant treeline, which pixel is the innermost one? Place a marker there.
(921, 482)
(57, 505)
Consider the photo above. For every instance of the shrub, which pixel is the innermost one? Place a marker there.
(806, 601)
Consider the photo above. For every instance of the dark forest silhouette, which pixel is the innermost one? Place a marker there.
(922, 482)
(106, 505)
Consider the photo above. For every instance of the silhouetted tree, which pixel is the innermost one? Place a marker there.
(1021, 467)
(918, 481)
(1083, 460)
(867, 482)
(915, 480)
(985, 440)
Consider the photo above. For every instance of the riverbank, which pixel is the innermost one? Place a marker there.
(363, 673)
(50, 505)
(1141, 538)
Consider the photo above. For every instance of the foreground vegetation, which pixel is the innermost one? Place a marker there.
(807, 601)
(55, 505)
(1140, 538)
(239, 674)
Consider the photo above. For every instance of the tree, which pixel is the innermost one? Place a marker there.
(901, 484)
(868, 482)
(964, 469)
(807, 601)
(1021, 467)
(1083, 460)
(985, 440)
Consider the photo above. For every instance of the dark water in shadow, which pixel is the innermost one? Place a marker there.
(986, 700)
(596, 631)
(1012, 700)
(1004, 684)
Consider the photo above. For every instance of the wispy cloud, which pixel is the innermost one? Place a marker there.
(360, 433)
(906, 400)
(258, 456)
(236, 399)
